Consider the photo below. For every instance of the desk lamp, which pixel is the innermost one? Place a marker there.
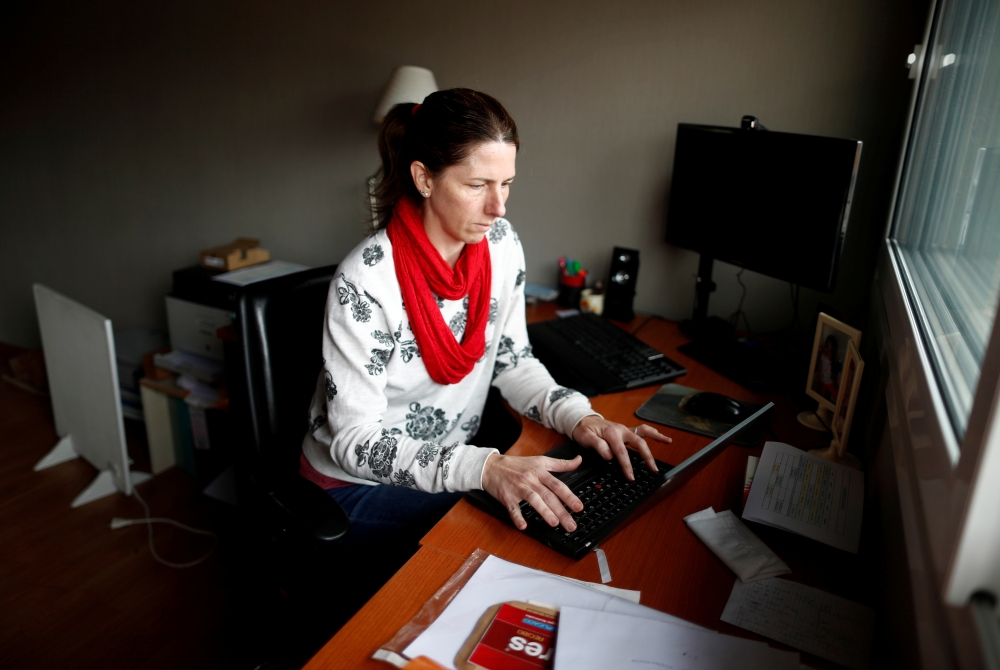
(407, 83)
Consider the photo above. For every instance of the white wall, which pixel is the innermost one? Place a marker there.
(133, 136)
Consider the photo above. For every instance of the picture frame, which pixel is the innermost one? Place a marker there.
(830, 344)
(843, 413)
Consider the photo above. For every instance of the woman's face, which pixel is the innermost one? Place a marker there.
(465, 199)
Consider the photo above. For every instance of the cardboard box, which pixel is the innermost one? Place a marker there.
(240, 253)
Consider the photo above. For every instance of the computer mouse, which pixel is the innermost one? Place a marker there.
(714, 406)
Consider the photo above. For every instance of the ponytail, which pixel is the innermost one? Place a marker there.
(440, 132)
(395, 182)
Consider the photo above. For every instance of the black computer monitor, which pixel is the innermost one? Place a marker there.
(775, 203)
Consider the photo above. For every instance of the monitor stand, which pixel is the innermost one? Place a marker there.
(762, 364)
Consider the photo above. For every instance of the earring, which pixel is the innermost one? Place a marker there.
(425, 193)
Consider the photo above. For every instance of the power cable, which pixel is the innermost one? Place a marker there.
(118, 522)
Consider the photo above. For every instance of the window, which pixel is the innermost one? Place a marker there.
(946, 231)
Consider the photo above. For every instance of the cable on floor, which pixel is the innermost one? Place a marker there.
(117, 523)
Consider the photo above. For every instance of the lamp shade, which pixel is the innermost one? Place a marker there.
(407, 83)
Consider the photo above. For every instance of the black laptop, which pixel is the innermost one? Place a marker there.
(608, 498)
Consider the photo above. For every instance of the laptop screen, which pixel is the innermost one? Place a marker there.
(692, 465)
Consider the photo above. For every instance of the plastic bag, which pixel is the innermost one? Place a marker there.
(392, 651)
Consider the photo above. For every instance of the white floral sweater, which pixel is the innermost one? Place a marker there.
(377, 416)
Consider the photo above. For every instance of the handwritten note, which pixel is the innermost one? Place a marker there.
(814, 621)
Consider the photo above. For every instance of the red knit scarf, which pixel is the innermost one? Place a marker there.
(422, 274)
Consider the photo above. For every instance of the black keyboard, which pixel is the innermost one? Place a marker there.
(607, 497)
(593, 356)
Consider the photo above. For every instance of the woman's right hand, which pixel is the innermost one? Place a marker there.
(511, 479)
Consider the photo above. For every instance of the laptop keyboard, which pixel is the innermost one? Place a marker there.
(607, 498)
(618, 352)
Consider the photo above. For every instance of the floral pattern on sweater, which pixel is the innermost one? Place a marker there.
(385, 420)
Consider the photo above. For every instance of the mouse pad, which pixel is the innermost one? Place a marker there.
(663, 408)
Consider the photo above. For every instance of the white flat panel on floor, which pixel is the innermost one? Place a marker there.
(62, 452)
(83, 382)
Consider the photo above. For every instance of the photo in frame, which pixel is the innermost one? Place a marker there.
(846, 399)
(826, 367)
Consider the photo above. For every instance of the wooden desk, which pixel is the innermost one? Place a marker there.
(387, 612)
(655, 554)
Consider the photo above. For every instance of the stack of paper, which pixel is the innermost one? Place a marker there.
(202, 368)
(603, 630)
(256, 273)
(796, 491)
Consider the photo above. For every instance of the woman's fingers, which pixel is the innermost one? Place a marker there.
(561, 464)
(563, 492)
(597, 443)
(640, 445)
(614, 439)
(511, 479)
(547, 494)
(514, 509)
(601, 446)
(550, 509)
(611, 440)
(555, 485)
(649, 432)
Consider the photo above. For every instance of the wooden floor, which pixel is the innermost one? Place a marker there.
(76, 594)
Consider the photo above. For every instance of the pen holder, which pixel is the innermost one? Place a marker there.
(570, 287)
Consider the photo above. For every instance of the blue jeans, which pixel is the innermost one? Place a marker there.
(390, 515)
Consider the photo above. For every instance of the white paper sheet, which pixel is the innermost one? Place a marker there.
(256, 273)
(498, 581)
(600, 640)
(627, 594)
(796, 491)
(742, 551)
(814, 621)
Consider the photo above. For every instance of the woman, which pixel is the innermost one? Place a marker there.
(423, 317)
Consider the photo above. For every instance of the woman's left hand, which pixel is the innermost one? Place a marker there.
(610, 440)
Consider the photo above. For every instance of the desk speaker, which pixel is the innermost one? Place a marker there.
(622, 277)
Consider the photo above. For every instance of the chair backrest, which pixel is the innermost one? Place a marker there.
(279, 324)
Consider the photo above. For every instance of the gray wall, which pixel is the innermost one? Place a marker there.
(133, 136)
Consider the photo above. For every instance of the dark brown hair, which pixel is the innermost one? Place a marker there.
(439, 133)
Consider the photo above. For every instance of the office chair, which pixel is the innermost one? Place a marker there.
(289, 600)
(279, 327)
